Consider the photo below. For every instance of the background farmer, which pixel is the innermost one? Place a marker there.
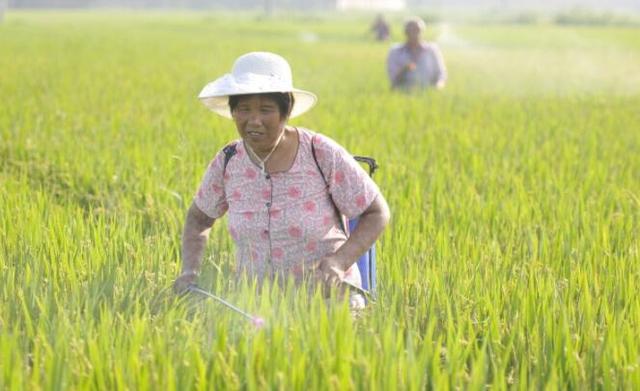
(416, 64)
(380, 28)
(281, 217)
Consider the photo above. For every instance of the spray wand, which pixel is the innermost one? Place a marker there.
(257, 321)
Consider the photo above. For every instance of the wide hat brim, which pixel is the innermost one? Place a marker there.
(215, 95)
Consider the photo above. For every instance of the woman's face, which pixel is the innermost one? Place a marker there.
(259, 121)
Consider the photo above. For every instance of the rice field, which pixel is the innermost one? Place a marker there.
(511, 261)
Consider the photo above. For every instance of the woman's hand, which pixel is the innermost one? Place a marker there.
(332, 268)
(184, 280)
(410, 66)
(330, 271)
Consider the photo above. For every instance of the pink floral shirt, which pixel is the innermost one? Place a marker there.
(282, 222)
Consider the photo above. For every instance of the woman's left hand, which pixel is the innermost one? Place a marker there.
(330, 271)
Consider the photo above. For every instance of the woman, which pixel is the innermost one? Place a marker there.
(282, 205)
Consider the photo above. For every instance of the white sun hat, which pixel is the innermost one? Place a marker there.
(255, 73)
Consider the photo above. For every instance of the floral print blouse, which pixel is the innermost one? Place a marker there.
(282, 222)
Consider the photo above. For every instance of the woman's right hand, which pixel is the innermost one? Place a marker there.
(184, 281)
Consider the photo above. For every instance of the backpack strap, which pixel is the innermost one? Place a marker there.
(341, 217)
(229, 151)
(315, 159)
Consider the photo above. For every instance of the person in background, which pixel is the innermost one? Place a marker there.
(416, 64)
(380, 28)
(283, 187)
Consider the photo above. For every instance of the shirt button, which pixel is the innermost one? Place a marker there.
(268, 204)
(267, 176)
